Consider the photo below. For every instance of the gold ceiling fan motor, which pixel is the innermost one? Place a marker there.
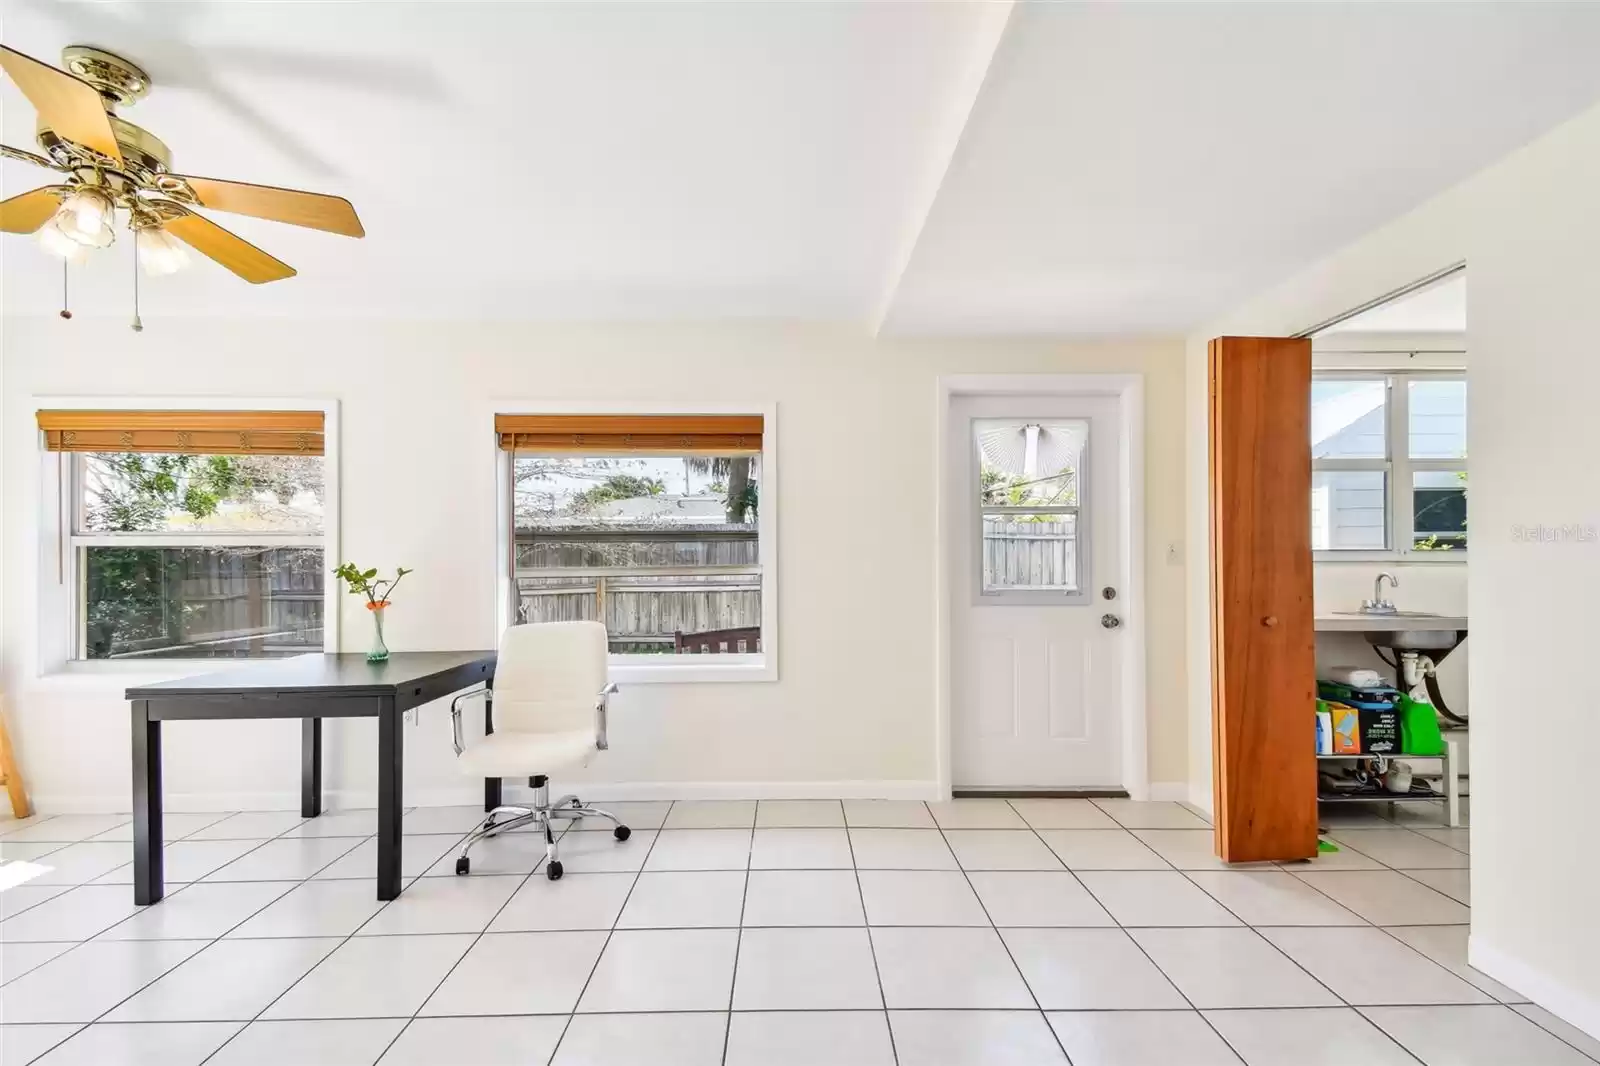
(113, 77)
(109, 164)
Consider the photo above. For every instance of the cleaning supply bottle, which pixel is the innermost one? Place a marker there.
(1419, 728)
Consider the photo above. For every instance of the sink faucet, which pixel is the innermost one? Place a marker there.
(1379, 605)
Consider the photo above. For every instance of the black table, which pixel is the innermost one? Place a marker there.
(311, 688)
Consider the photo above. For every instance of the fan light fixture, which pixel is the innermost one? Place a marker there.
(86, 217)
(57, 243)
(112, 172)
(159, 252)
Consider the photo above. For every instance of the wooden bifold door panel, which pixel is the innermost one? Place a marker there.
(1262, 641)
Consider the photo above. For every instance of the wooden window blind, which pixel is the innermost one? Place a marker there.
(630, 434)
(200, 432)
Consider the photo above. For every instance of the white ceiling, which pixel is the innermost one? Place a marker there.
(1439, 308)
(927, 167)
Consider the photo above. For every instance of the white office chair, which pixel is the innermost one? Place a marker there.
(549, 704)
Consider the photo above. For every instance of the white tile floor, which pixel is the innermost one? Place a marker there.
(791, 933)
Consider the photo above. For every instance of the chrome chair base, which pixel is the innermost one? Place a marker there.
(542, 814)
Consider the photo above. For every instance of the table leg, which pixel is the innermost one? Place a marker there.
(491, 785)
(148, 876)
(391, 766)
(310, 767)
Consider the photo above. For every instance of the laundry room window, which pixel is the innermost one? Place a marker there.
(1389, 465)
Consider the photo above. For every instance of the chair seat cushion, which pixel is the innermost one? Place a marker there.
(508, 754)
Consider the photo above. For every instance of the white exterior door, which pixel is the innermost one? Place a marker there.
(1035, 642)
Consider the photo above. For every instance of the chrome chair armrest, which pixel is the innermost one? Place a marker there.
(601, 740)
(457, 741)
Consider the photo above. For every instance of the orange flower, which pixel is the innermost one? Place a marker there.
(373, 605)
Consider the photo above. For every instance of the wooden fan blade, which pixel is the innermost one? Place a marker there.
(315, 210)
(26, 213)
(235, 253)
(72, 108)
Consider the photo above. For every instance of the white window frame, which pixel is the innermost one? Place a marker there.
(1398, 467)
(628, 669)
(60, 634)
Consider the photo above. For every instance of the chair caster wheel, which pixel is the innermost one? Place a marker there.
(553, 870)
(622, 832)
(463, 864)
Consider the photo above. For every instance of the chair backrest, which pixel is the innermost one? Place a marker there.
(548, 676)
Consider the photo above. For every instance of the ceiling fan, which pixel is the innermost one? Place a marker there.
(111, 165)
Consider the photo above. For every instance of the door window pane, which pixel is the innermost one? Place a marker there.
(1030, 553)
(1029, 463)
(1347, 509)
(202, 603)
(1438, 414)
(1439, 510)
(1348, 419)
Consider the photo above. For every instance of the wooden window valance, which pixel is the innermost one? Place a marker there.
(649, 434)
(199, 432)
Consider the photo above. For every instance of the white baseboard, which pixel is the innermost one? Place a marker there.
(1576, 1008)
(468, 793)
(688, 790)
(1200, 796)
(1171, 791)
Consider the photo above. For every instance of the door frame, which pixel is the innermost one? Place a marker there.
(1128, 389)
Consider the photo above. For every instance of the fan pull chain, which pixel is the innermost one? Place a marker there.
(138, 326)
(65, 313)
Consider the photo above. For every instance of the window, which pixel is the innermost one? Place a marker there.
(655, 525)
(191, 535)
(1389, 462)
(1029, 495)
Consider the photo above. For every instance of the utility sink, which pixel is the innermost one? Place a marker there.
(1413, 639)
(1411, 634)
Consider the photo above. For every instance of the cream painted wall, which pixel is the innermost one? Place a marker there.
(1527, 228)
(854, 706)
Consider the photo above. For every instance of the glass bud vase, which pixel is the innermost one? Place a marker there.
(380, 650)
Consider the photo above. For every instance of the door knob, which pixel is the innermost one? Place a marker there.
(1110, 621)
(1270, 621)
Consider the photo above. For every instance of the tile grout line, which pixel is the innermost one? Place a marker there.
(747, 870)
(738, 943)
(573, 1013)
(1134, 941)
(1389, 929)
(93, 939)
(1243, 924)
(462, 957)
(342, 942)
(866, 925)
(1370, 924)
(1547, 1029)
(211, 944)
(1124, 931)
(83, 1026)
(996, 930)
(1267, 940)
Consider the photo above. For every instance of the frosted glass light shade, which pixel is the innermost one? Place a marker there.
(159, 251)
(86, 217)
(52, 240)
